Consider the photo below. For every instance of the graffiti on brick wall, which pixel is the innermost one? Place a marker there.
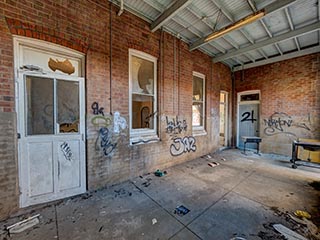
(281, 123)
(118, 123)
(183, 145)
(176, 126)
(248, 117)
(106, 144)
(108, 131)
(96, 110)
(66, 150)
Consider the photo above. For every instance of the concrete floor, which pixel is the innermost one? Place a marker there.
(239, 199)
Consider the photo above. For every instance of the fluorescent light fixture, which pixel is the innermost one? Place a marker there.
(244, 21)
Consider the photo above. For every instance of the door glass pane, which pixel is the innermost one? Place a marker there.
(68, 106)
(39, 99)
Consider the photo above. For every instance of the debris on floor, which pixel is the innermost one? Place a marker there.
(208, 156)
(181, 210)
(288, 233)
(312, 228)
(147, 183)
(315, 185)
(154, 221)
(213, 164)
(122, 193)
(302, 214)
(23, 225)
(159, 173)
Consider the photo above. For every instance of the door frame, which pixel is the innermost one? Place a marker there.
(19, 75)
(239, 94)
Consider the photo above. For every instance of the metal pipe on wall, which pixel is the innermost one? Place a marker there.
(110, 59)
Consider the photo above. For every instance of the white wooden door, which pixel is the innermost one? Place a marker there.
(248, 117)
(248, 123)
(51, 140)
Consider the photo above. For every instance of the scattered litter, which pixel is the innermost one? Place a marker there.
(315, 185)
(181, 210)
(213, 164)
(238, 238)
(100, 228)
(86, 196)
(208, 156)
(313, 229)
(288, 233)
(223, 159)
(159, 173)
(122, 193)
(103, 213)
(24, 225)
(154, 221)
(302, 214)
(147, 183)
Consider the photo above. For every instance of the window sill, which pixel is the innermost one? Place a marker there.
(137, 140)
(200, 132)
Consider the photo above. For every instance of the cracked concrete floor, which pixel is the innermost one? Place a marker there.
(240, 198)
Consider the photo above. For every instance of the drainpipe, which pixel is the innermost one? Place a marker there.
(121, 8)
(110, 62)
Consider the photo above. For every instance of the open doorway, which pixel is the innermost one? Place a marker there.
(223, 134)
(248, 117)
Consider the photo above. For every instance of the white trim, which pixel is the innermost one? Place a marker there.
(226, 124)
(201, 129)
(144, 133)
(239, 94)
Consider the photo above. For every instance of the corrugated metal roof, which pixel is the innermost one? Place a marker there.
(199, 18)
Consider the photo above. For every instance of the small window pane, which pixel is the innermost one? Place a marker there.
(197, 114)
(197, 88)
(142, 76)
(68, 106)
(142, 109)
(39, 98)
(222, 97)
(250, 97)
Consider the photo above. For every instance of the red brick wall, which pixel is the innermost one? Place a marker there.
(290, 87)
(84, 26)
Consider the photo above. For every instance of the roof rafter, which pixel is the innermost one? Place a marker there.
(231, 19)
(280, 58)
(288, 15)
(295, 33)
(168, 14)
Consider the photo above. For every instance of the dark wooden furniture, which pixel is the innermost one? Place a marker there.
(247, 139)
(310, 146)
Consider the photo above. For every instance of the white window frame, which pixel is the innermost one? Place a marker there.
(200, 130)
(226, 124)
(143, 135)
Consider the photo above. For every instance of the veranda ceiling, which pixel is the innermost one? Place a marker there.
(289, 28)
